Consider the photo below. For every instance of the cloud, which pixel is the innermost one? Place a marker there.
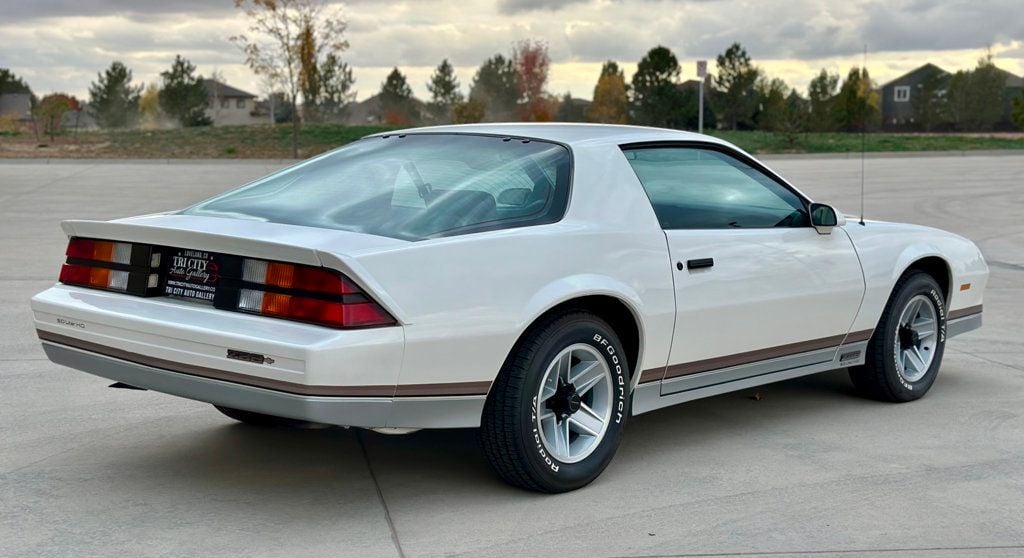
(62, 44)
(522, 6)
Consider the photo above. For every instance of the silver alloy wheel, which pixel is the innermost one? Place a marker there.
(574, 403)
(916, 338)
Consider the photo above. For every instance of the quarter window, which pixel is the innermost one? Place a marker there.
(693, 188)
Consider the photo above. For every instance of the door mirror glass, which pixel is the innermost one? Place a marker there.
(824, 217)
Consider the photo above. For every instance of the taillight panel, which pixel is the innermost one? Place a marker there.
(113, 266)
(277, 289)
(307, 294)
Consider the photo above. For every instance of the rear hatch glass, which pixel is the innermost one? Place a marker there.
(411, 187)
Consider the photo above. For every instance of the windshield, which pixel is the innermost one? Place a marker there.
(411, 186)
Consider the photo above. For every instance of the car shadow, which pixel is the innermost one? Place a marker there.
(288, 464)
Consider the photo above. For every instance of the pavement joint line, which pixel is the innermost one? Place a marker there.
(848, 551)
(975, 355)
(37, 189)
(380, 496)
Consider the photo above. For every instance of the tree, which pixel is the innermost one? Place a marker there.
(10, 83)
(494, 86)
(50, 111)
(656, 96)
(309, 72)
(570, 110)
(183, 95)
(113, 100)
(611, 100)
(396, 99)
(734, 86)
(531, 62)
(857, 104)
(821, 100)
(930, 102)
(275, 47)
(444, 92)
(976, 96)
(771, 114)
(469, 112)
(1018, 111)
(797, 112)
(336, 83)
(149, 106)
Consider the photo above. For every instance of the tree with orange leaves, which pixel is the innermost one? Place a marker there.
(531, 63)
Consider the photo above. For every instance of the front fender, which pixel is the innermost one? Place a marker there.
(887, 250)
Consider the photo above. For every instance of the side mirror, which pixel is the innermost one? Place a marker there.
(514, 196)
(824, 217)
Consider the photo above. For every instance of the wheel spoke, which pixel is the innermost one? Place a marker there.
(908, 367)
(550, 387)
(586, 375)
(925, 334)
(924, 323)
(586, 421)
(562, 439)
(911, 312)
(563, 367)
(915, 358)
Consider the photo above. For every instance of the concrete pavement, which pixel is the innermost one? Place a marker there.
(91, 471)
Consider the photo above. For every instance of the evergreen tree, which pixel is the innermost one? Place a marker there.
(113, 100)
(336, 83)
(734, 87)
(656, 96)
(930, 102)
(183, 96)
(10, 83)
(396, 99)
(444, 92)
(494, 86)
(570, 110)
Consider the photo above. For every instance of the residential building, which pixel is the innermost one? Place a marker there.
(230, 106)
(16, 107)
(898, 95)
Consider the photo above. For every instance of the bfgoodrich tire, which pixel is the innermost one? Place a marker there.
(905, 351)
(556, 413)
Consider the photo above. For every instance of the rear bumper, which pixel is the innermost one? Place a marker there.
(368, 412)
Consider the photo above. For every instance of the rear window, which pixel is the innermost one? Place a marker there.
(411, 187)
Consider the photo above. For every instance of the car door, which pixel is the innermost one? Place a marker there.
(757, 288)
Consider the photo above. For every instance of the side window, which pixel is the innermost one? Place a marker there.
(693, 188)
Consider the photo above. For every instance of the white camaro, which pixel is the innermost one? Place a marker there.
(540, 282)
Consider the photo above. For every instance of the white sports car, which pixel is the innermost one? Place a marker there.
(540, 282)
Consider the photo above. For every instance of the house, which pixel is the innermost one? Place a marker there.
(1013, 89)
(898, 95)
(230, 106)
(16, 107)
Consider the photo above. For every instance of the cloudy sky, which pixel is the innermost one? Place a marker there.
(60, 45)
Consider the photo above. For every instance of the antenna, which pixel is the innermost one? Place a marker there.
(863, 129)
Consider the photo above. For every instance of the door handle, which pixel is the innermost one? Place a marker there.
(698, 263)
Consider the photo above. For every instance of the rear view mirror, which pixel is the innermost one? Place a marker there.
(824, 217)
(514, 196)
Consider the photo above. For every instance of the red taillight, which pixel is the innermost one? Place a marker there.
(104, 264)
(313, 294)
